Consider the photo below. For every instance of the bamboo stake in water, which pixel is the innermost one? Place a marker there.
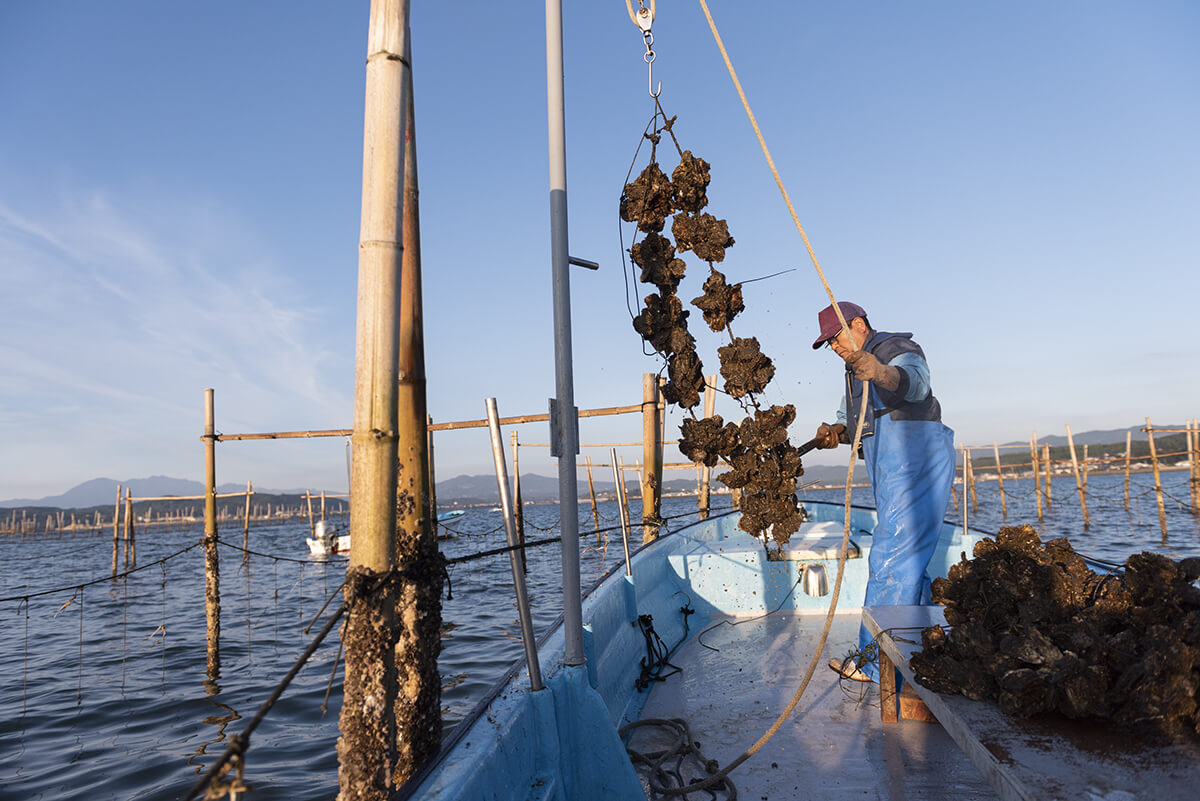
(619, 486)
(651, 450)
(954, 478)
(1128, 445)
(212, 565)
(1000, 480)
(131, 552)
(1078, 481)
(971, 482)
(966, 472)
(432, 485)
(1037, 482)
(1049, 475)
(246, 524)
(128, 522)
(1083, 468)
(587, 460)
(116, 521)
(622, 494)
(312, 526)
(1158, 493)
(1194, 463)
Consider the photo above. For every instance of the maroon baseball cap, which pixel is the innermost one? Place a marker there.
(828, 320)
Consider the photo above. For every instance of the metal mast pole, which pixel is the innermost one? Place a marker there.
(564, 380)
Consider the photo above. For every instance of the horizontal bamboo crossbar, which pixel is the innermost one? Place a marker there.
(534, 418)
(194, 497)
(504, 421)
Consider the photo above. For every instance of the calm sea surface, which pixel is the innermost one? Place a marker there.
(103, 691)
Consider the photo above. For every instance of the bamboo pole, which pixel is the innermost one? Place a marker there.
(246, 524)
(367, 722)
(432, 485)
(212, 565)
(710, 409)
(1000, 479)
(131, 539)
(651, 458)
(1078, 481)
(966, 469)
(312, 526)
(116, 521)
(128, 523)
(971, 482)
(1083, 468)
(1049, 474)
(1194, 463)
(622, 494)
(322, 505)
(1158, 493)
(587, 461)
(417, 712)
(1128, 451)
(1037, 483)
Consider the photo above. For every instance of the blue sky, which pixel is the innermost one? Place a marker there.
(1017, 184)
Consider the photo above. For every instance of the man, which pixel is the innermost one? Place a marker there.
(909, 456)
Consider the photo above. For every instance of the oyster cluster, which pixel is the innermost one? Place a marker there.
(1036, 630)
(764, 464)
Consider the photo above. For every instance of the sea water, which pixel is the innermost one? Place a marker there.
(104, 691)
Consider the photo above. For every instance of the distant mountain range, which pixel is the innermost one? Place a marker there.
(466, 490)
(101, 491)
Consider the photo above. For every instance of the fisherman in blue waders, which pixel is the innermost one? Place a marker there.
(909, 455)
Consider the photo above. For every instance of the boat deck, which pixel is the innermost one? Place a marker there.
(833, 745)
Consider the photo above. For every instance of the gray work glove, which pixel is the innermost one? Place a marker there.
(867, 368)
(828, 436)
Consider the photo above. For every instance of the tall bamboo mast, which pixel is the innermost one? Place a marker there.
(367, 721)
(419, 607)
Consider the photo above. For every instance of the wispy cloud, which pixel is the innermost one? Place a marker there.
(121, 309)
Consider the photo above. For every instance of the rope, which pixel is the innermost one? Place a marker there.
(279, 558)
(720, 775)
(27, 596)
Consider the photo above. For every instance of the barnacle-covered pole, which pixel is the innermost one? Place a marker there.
(367, 725)
(212, 563)
(419, 602)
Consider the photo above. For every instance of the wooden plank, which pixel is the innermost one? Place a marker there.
(1045, 757)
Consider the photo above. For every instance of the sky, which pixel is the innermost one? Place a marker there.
(1018, 184)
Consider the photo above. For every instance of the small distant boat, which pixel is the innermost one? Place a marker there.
(326, 540)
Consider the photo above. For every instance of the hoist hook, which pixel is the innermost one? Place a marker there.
(644, 19)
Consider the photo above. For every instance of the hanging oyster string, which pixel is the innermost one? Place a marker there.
(764, 465)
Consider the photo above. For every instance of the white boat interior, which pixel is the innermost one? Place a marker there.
(741, 651)
(832, 746)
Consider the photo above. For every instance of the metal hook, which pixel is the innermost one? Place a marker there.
(649, 58)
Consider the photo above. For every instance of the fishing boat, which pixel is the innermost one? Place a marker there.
(326, 540)
(707, 626)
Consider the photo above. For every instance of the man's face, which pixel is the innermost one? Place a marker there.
(841, 344)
